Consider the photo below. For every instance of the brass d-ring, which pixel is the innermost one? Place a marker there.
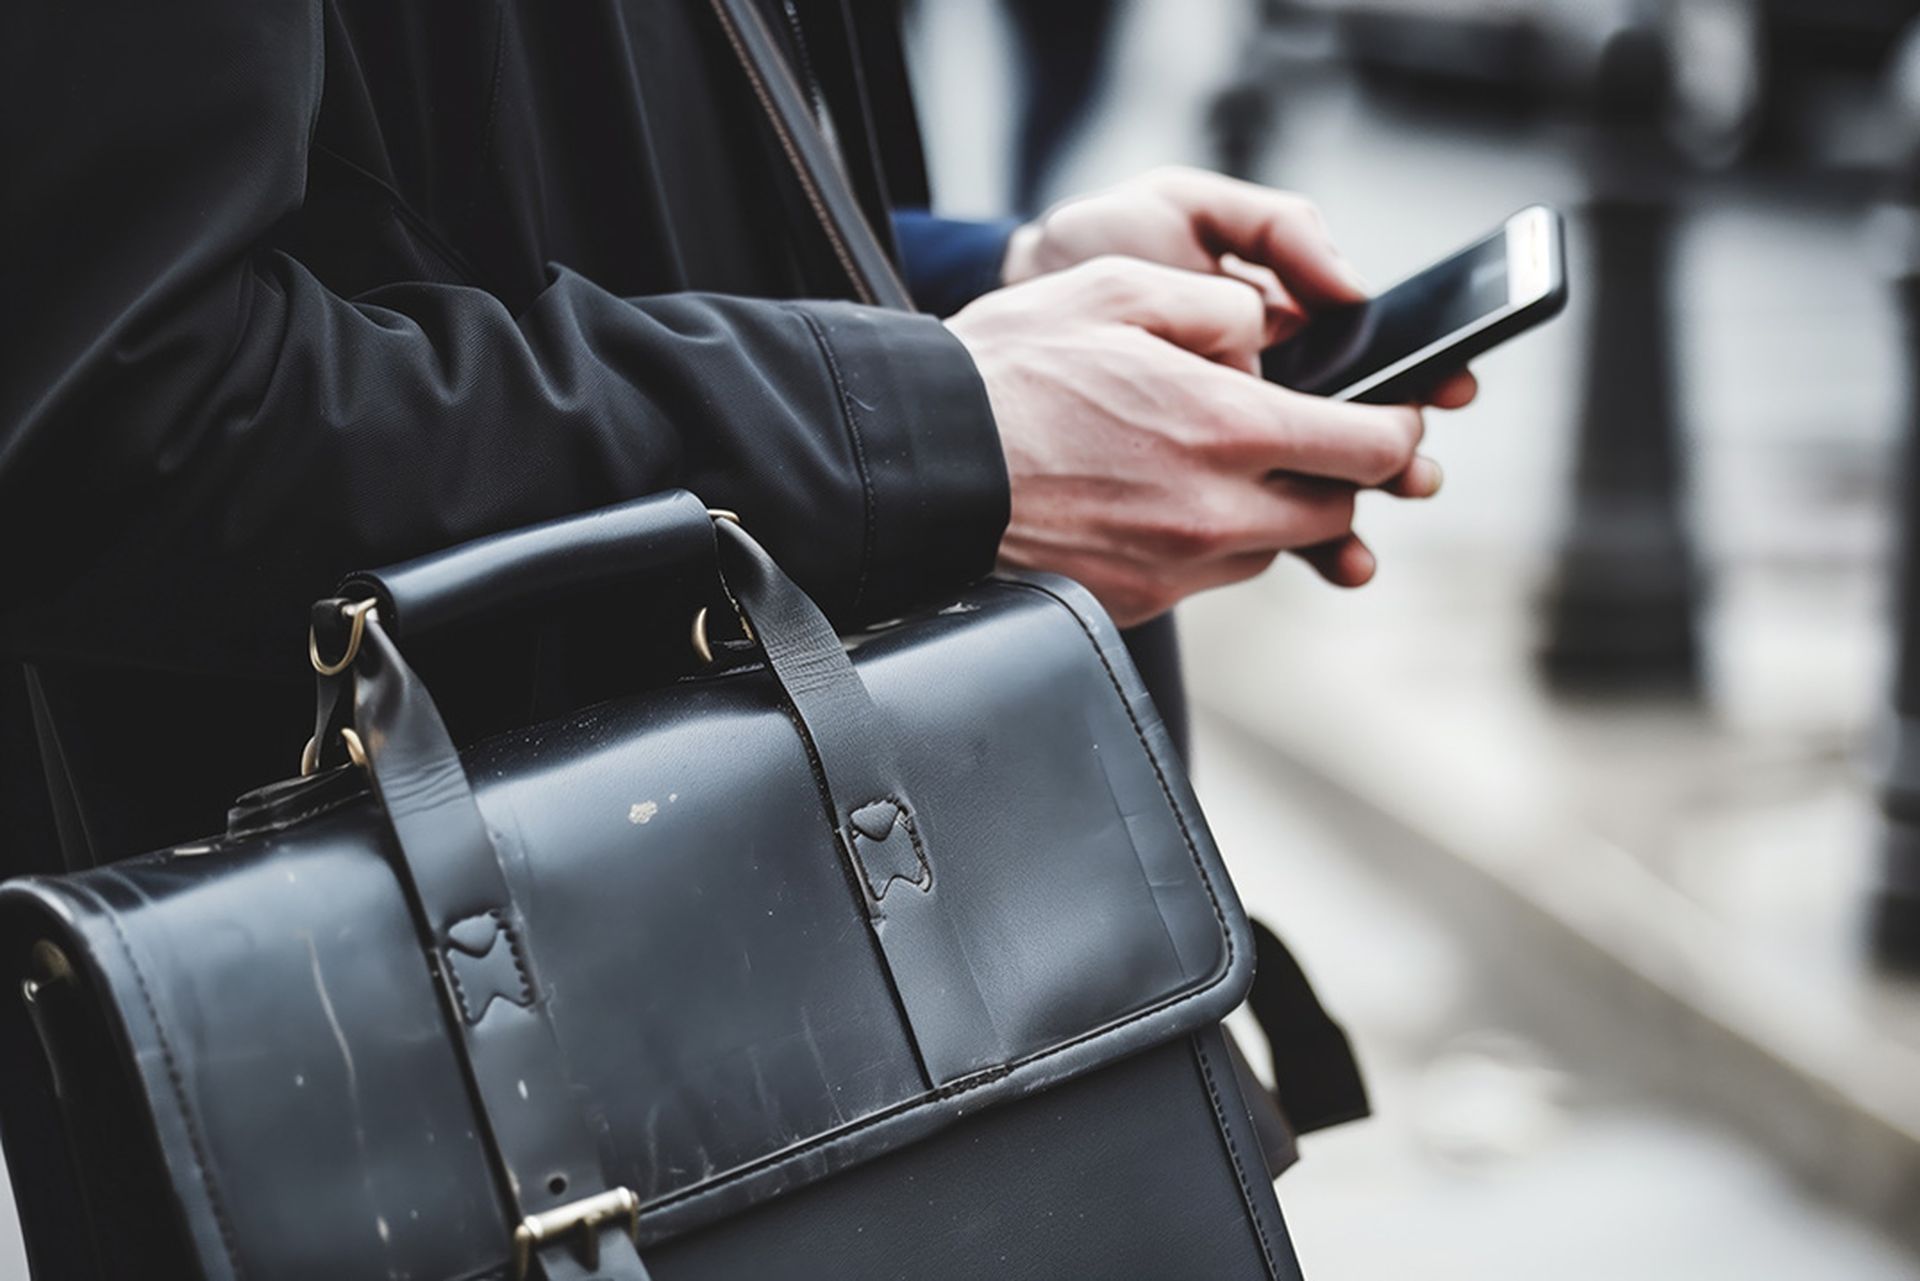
(701, 644)
(310, 754)
(356, 614)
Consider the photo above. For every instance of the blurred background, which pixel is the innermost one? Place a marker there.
(1589, 816)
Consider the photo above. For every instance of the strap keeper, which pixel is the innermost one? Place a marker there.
(585, 1216)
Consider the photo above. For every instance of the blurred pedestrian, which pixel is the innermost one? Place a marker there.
(1064, 46)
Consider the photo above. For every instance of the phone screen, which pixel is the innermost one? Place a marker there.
(1340, 347)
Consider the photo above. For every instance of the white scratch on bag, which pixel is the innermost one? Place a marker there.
(653, 1147)
(353, 1075)
(820, 1065)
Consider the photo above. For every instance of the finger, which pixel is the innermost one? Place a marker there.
(1420, 480)
(1455, 392)
(1284, 315)
(1227, 570)
(1273, 429)
(1208, 315)
(1283, 512)
(1345, 562)
(1274, 228)
(1301, 511)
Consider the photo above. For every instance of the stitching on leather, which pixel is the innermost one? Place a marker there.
(1233, 1155)
(188, 1118)
(505, 930)
(905, 818)
(807, 186)
(798, 1152)
(867, 537)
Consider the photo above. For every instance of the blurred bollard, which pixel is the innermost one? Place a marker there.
(1241, 121)
(1894, 913)
(1620, 612)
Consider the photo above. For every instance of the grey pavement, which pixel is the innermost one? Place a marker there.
(1499, 1152)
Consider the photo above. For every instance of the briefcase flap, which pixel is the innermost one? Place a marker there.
(731, 1019)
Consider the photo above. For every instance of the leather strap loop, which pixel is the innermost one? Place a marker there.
(545, 1155)
(866, 796)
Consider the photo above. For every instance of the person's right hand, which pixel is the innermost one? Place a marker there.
(1147, 457)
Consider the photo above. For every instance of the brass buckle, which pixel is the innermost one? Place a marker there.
(585, 1216)
(356, 614)
(702, 643)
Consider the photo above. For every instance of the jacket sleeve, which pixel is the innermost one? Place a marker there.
(948, 262)
(197, 437)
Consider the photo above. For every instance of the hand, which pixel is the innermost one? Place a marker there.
(1148, 459)
(1273, 241)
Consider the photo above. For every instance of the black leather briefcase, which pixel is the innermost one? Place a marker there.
(907, 962)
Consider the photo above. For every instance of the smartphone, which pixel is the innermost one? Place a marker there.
(1398, 345)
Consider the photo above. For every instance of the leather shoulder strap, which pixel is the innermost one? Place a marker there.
(780, 96)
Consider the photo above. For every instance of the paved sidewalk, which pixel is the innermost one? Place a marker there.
(1500, 1150)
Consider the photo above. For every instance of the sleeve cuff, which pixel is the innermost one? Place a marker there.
(949, 262)
(931, 466)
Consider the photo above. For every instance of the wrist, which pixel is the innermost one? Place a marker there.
(1021, 260)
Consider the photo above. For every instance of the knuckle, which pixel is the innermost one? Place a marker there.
(1247, 309)
(1113, 277)
(1314, 512)
(1183, 536)
(1136, 599)
(1391, 450)
(1337, 506)
(1249, 565)
(1334, 518)
(1308, 212)
(1223, 431)
(1415, 421)
(1297, 208)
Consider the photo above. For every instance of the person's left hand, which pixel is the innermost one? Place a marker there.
(1273, 241)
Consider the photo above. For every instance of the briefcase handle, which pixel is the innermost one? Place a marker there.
(669, 532)
(545, 1159)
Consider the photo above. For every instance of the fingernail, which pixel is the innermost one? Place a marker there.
(1431, 476)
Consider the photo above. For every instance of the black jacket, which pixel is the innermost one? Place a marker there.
(299, 286)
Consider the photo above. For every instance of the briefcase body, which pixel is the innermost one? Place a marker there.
(906, 961)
